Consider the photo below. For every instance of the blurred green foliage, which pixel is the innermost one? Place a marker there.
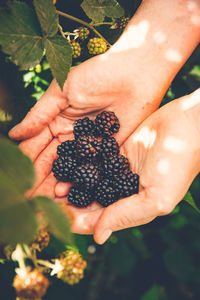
(157, 261)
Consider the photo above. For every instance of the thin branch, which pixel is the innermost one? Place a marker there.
(83, 23)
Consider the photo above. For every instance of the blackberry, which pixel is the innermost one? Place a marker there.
(115, 166)
(42, 239)
(109, 147)
(83, 127)
(76, 49)
(127, 184)
(87, 147)
(67, 148)
(97, 46)
(86, 176)
(63, 168)
(79, 198)
(105, 193)
(30, 284)
(106, 123)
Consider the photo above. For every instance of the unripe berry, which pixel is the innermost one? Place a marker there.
(76, 49)
(97, 46)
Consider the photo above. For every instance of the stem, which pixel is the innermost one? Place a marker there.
(83, 23)
(45, 263)
(104, 23)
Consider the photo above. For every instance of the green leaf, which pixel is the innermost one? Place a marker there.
(58, 53)
(47, 16)
(97, 10)
(20, 35)
(154, 293)
(18, 224)
(189, 199)
(16, 169)
(55, 218)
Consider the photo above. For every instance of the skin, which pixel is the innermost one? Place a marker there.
(130, 79)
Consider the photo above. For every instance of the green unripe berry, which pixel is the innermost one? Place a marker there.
(76, 49)
(96, 46)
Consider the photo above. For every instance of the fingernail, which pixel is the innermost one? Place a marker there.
(104, 236)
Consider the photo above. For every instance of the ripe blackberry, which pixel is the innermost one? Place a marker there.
(30, 284)
(76, 49)
(127, 184)
(106, 123)
(79, 197)
(73, 266)
(86, 176)
(97, 46)
(105, 193)
(109, 147)
(87, 147)
(63, 168)
(83, 127)
(67, 148)
(115, 166)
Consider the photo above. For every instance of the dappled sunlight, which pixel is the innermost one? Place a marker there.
(135, 37)
(159, 37)
(193, 7)
(193, 100)
(173, 55)
(174, 145)
(145, 136)
(163, 166)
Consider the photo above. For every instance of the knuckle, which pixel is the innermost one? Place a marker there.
(164, 206)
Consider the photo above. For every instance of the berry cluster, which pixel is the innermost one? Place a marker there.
(92, 162)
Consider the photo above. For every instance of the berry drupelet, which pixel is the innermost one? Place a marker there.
(106, 123)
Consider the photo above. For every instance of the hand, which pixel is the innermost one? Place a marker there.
(165, 152)
(129, 79)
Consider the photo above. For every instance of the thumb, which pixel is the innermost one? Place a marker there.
(43, 112)
(128, 212)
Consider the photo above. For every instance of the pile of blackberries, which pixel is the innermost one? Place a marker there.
(93, 163)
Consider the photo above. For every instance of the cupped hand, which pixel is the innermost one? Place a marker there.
(164, 151)
(101, 83)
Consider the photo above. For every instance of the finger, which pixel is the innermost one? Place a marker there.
(83, 220)
(43, 164)
(34, 146)
(125, 213)
(47, 187)
(43, 112)
(62, 189)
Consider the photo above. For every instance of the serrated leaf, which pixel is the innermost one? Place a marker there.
(20, 35)
(97, 10)
(16, 169)
(48, 18)
(59, 55)
(55, 217)
(189, 199)
(18, 224)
